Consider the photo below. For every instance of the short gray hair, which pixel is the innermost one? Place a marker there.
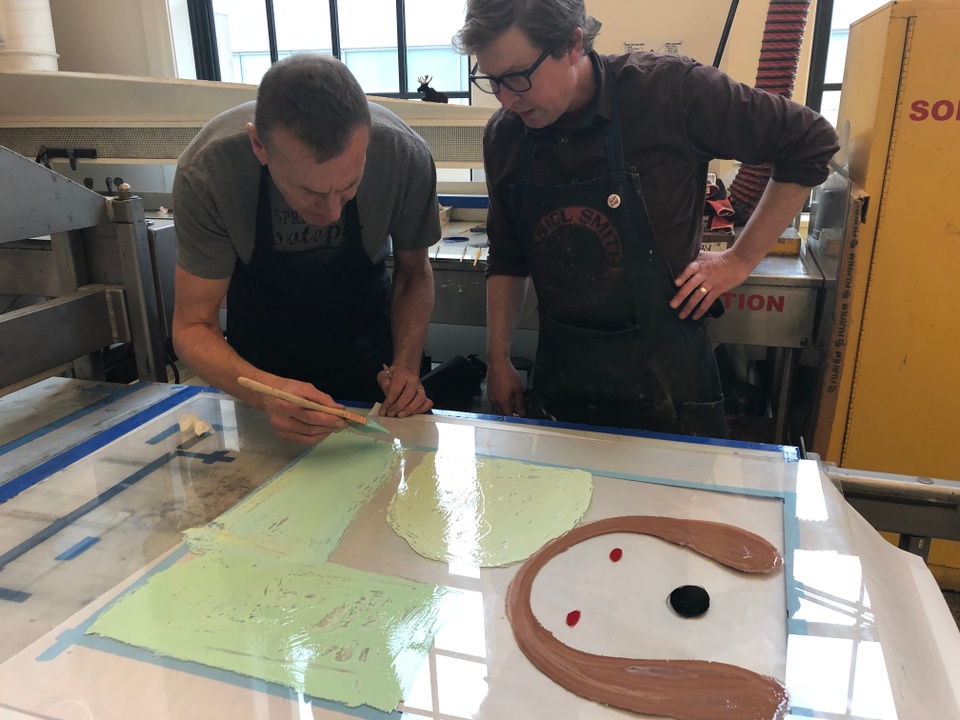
(548, 24)
(316, 98)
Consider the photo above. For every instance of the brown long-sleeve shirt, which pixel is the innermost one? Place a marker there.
(676, 115)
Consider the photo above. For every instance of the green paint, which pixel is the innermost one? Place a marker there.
(329, 631)
(261, 600)
(301, 514)
(486, 512)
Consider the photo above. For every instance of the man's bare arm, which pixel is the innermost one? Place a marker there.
(199, 342)
(413, 295)
(505, 296)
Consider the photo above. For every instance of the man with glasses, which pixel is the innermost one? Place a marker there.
(596, 171)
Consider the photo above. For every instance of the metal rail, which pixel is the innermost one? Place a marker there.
(917, 508)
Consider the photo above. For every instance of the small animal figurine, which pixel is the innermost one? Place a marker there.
(429, 94)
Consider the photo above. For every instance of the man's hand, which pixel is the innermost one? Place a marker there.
(505, 389)
(296, 423)
(712, 274)
(707, 278)
(405, 395)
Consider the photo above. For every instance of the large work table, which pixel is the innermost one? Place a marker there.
(99, 481)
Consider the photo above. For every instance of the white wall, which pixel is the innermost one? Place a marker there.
(698, 24)
(123, 37)
(133, 37)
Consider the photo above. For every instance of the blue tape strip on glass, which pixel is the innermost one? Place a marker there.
(455, 239)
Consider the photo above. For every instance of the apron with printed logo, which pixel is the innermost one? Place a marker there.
(611, 351)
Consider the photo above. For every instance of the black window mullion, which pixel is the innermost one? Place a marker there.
(206, 56)
(335, 30)
(271, 31)
(402, 44)
(818, 54)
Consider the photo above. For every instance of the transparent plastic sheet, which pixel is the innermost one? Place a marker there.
(828, 646)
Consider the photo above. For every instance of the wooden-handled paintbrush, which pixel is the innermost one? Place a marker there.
(358, 422)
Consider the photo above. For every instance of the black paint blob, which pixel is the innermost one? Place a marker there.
(689, 601)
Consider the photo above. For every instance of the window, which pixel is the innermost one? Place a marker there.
(831, 31)
(387, 44)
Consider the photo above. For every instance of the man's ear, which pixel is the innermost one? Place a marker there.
(259, 149)
(576, 52)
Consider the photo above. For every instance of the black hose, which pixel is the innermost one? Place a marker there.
(726, 32)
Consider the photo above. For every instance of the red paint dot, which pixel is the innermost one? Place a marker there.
(616, 554)
(573, 617)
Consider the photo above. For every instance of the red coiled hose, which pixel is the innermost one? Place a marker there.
(776, 72)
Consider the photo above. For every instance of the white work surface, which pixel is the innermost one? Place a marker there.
(854, 627)
(459, 243)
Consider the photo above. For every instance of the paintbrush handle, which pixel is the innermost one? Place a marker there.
(297, 400)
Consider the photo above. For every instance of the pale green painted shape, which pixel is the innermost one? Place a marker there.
(329, 631)
(301, 514)
(262, 601)
(486, 512)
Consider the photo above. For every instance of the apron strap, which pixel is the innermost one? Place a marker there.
(264, 226)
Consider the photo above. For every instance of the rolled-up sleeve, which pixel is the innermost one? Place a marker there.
(727, 119)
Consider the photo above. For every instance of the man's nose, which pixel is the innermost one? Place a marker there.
(331, 206)
(506, 97)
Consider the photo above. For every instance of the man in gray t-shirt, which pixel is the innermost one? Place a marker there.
(288, 208)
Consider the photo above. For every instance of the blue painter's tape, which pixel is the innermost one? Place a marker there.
(229, 677)
(16, 596)
(173, 430)
(71, 517)
(159, 438)
(211, 458)
(804, 712)
(115, 394)
(72, 636)
(78, 636)
(87, 447)
(787, 451)
(81, 547)
(464, 201)
(791, 541)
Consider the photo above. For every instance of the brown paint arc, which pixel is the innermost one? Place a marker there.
(682, 689)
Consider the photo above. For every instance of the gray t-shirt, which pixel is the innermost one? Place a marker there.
(215, 195)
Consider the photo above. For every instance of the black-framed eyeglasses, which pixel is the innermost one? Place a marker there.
(518, 82)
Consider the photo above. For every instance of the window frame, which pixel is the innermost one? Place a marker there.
(205, 44)
(818, 56)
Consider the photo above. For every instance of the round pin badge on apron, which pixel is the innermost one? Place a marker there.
(613, 201)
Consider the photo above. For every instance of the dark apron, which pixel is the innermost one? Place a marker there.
(611, 351)
(321, 316)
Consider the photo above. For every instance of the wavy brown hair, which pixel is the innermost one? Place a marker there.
(548, 24)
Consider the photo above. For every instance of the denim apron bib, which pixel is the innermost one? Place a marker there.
(321, 316)
(611, 351)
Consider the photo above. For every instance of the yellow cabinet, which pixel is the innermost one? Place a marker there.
(897, 404)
